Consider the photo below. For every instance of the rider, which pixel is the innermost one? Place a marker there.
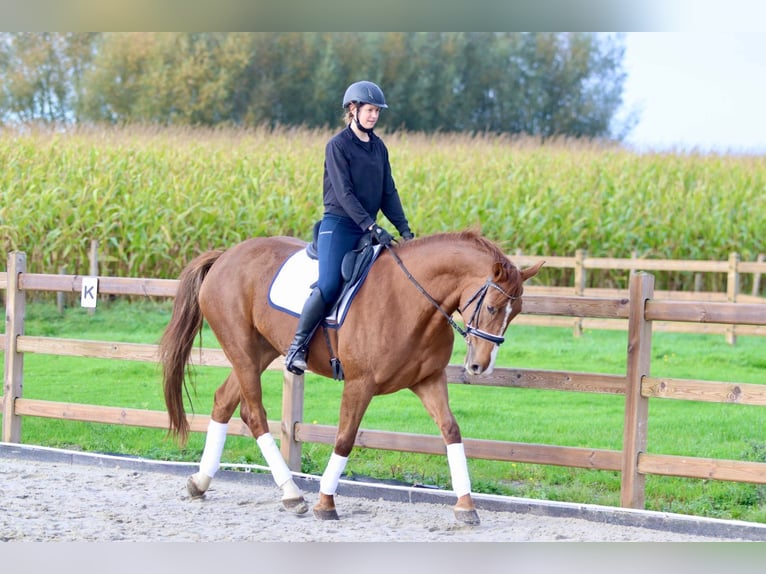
(357, 185)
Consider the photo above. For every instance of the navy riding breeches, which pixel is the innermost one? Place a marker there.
(337, 236)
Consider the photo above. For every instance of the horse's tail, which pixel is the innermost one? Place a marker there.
(178, 339)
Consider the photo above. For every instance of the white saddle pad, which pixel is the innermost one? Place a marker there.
(291, 287)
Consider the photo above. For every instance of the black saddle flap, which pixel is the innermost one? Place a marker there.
(357, 261)
(354, 263)
(311, 249)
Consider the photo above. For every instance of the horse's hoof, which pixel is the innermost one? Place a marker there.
(469, 517)
(193, 490)
(326, 513)
(295, 505)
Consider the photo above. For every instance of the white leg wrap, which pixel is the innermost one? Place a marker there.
(277, 465)
(214, 441)
(201, 481)
(290, 490)
(328, 484)
(458, 468)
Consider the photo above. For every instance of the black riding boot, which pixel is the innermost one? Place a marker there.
(313, 312)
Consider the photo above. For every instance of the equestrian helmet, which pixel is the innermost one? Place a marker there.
(364, 92)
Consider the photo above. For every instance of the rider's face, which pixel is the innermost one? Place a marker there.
(367, 115)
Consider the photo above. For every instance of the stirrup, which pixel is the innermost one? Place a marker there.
(295, 361)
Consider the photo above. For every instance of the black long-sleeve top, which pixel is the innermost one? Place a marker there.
(358, 181)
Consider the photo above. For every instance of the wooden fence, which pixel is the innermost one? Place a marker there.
(734, 269)
(640, 309)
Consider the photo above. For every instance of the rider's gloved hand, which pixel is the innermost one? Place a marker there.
(381, 235)
(407, 235)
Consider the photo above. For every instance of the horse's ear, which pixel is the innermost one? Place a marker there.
(531, 271)
(498, 272)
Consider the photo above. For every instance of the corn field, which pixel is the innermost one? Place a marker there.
(154, 198)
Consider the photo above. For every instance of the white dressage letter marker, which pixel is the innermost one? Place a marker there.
(89, 293)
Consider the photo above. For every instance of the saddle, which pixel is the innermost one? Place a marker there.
(354, 265)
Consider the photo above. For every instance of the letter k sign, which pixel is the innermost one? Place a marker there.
(89, 293)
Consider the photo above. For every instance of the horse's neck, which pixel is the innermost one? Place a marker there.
(445, 273)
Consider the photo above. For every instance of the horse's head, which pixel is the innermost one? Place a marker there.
(489, 311)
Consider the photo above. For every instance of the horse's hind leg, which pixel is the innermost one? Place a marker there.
(224, 405)
(292, 495)
(433, 394)
(248, 371)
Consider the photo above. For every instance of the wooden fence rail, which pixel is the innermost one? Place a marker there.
(734, 269)
(640, 308)
(581, 263)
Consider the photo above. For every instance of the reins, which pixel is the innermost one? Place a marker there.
(480, 294)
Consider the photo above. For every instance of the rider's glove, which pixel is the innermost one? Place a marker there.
(381, 235)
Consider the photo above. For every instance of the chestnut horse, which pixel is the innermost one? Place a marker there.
(397, 334)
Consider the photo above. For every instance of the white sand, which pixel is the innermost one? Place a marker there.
(43, 500)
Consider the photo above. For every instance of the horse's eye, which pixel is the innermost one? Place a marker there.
(491, 309)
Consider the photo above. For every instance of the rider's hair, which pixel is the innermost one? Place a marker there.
(348, 115)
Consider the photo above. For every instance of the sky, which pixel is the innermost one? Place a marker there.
(697, 91)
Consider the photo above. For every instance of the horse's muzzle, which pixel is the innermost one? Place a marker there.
(476, 365)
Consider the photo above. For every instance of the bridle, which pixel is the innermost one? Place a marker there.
(478, 296)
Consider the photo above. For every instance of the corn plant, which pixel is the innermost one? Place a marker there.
(154, 198)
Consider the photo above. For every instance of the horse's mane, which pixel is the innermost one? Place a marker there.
(511, 272)
(467, 235)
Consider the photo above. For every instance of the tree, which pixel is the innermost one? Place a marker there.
(170, 78)
(577, 82)
(41, 75)
(538, 84)
(542, 84)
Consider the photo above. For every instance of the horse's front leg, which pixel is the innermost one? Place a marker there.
(224, 405)
(354, 402)
(433, 394)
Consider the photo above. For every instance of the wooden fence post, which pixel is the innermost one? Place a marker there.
(632, 271)
(632, 492)
(93, 258)
(93, 266)
(14, 361)
(580, 280)
(292, 414)
(757, 277)
(60, 295)
(732, 291)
